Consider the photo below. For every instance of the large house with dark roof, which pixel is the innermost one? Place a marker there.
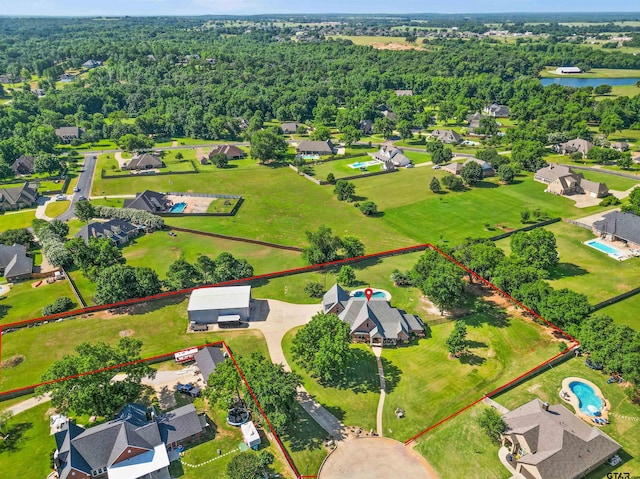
(446, 136)
(550, 442)
(232, 152)
(150, 201)
(146, 161)
(309, 147)
(618, 226)
(374, 321)
(391, 157)
(15, 265)
(117, 230)
(135, 445)
(497, 111)
(24, 165)
(572, 146)
(18, 197)
(69, 133)
(289, 127)
(562, 180)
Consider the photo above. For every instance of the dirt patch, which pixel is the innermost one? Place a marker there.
(395, 46)
(126, 332)
(12, 362)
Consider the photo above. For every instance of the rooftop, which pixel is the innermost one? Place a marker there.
(227, 297)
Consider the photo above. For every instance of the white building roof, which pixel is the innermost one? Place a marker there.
(140, 465)
(228, 297)
(250, 433)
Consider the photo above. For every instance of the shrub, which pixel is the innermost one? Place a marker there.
(369, 208)
(313, 289)
(609, 200)
(60, 305)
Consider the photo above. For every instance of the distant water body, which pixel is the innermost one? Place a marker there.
(592, 82)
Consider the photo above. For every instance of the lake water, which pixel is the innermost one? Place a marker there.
(592, 82)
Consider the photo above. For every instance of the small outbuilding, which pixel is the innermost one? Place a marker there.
(250, 435)
(207, 360)
(220, 305)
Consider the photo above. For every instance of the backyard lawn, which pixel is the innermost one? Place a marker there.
(25, 302)
(593, 73)
(341, 168)
(56, 208)
(625, 312)
(354, 399)
(20, 219)
(429, 386)
(546, 386)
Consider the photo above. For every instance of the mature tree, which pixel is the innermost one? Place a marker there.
(322, 346)
(97, 394)
(368, 208)
(404, 128)
(94, 257)
(634, 202)
(491, 156)
(346, 276)
(344, 190)
(314, 289)
(625, 162)
(452, 182)
(60, 305)
(484, 257)
(444, 288)
(85, 211)
(435, 185)
(120, 282)
(513, 272)
(223, 385)
(611, 122)
(602, 89)
(352, 247)
(206, 267)
(565, 308)
(331, 179)
(4, 420)
(506, 174)
(59, 228)
(320, 133)
(525, 216)
(537, 248)
(247, 465)
(528, 155)
(323, 246)
(457, 341)
(350, 135)
(46, 164)
(491, 422)
(220, 160)
(488, 126)
(384, 126)
(439, 153)
(533, 295)
(182, 275)
(471, 173)
(21, 236)
(266, 145)
(131, 142)
(227, 267)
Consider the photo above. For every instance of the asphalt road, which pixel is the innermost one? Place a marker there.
(84, 184)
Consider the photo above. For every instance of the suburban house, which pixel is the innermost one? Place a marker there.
(389, 114)
(567, 70)
(391, 157)
(308, 147)
(89, 64)
(487, 169)
(148, 200)
(366, 127)
(229, 304)
(68, 77)
(69, 133)
(289, 127)
(146, 161)
(453, 168)
(230, 151)
(23, 165)
(117, 230)
(207, 359)
(562, 180)
(136, 444)
(15, 265)
(571, 146)
(18, 197)
(497, 111)
(373, 321)
(550, 442)
(446, 136)
(404, 92)
(474, 121)
(620, 146)
(618, 226)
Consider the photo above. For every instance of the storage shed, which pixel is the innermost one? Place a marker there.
(250, 435)
(213, 305)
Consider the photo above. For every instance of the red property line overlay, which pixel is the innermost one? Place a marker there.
(409, 249)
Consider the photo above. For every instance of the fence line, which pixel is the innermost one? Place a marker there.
(525, 228)
(308, 177)
(577, 223)
(74, 288)
(616, 299)
(237, 238)
(203, 195)
(606, 172)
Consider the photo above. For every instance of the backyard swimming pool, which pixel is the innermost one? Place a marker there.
(178, 208)
(363, 164)
(605, 248)
(376, 294)
(310, 157)
(590, 404)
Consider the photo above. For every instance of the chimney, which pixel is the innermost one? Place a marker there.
(545, 406)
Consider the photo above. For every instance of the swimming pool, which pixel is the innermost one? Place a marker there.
(590, 404)
(178, 208)
(376, 294)
(310, 157)
(600, 246)
(363, 164)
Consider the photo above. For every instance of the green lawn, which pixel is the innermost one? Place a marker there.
(341, 168)
(161, 329)
(20, 219)
(474, 455)
(354, 399)
(304, 440)
(625, 312)
(586, 270)
(593, 73)
(25, 302)
(56, 208)
(418, 156)
(371, 40)
(546, 386)
(113, 202)
(613, 182)
(429, 386)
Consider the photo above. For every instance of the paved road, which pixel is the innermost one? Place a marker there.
(84, 184)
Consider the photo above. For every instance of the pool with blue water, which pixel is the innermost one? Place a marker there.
(178, 208)
(587, 397)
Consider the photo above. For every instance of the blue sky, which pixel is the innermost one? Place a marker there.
(204, 7)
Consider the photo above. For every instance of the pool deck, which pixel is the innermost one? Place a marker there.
(567, 395)
(623, 252)
(387, 294)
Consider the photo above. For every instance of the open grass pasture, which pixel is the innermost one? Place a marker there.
(546, 386)
(16, 219)
(613, 182)
(586, 270)
(161, 326)
(354, 399)
(625, 312)
(372, 40)
(549, 72)
(56, 208)
(25, 302)
(341, 168)
(429, 386)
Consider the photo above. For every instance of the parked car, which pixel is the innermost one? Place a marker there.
(81, 198)
(436, 167)
(188, 389)
(76, 189)
(61, 197)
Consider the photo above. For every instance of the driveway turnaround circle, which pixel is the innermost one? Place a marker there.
(375, 458)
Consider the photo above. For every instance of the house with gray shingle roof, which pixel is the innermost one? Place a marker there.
(372, 321)
(117, 230)
(232, 152)
(446, 136)
(69, 133)
(497, 111)
(134, 445)
(18, 197)
(577, 145)
(289, 127)
(391, 156)
(14, 262)
(148, 200)
(619, 226)
(207, 359)
(487, 169)
(146, 161)
(308, 147)
(23, 165)
(550, 442)
(562, 180)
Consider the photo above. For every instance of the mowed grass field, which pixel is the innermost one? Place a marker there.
(546, 386)
(21, 219)
(625, 312)
(429, 386)
(549, 72)
(56, 208)
(25, 302)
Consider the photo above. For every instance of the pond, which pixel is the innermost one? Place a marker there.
(592, 82)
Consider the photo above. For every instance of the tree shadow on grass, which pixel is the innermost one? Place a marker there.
(360, 376)
(12, 438)
(299, 430)
(486, 185)
(4, 308)
(491, 316)
(150, 306)
(392, 375)
(472, 359)
(564, 270)
(476, 344)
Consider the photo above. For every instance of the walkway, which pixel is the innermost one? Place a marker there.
(377, 352)
(28, 404)
(43, 201)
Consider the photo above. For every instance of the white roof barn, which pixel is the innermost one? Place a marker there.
(209, 305)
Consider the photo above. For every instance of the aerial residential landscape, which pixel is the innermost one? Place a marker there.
(247, 242)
